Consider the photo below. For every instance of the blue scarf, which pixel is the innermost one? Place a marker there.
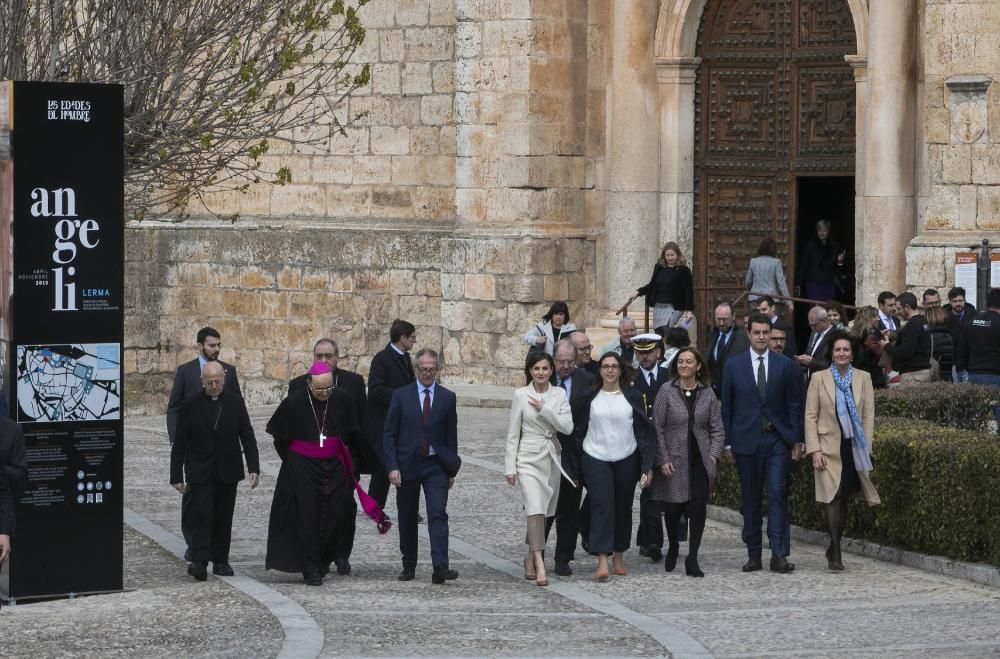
(845, 399)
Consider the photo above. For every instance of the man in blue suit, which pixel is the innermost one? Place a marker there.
(420, 442)
(762, 416)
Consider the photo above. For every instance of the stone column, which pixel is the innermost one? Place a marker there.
(631, 216)
(676, 79)
(890, 181)
(859, 63)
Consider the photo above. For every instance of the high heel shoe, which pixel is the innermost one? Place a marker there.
(670, 562)
(691, 567)
(529, 568)
(834, 561)
(541, 578)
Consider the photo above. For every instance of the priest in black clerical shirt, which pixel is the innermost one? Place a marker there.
(318, 436)
(212, 425)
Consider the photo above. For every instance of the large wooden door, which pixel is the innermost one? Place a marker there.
(774, 101)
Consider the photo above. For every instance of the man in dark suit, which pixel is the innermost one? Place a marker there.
(887, 310)
(212, 426)
(762, 416)
(651, 375)
(391, 369)
(12, 459)
(187, 378)
(327, 351)
(766, 306)
(724, 341)
(814, 359)
(421, 451)
(187, 382)
(576, 381)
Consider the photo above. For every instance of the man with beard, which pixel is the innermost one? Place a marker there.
(318, 436)
(326, 350)
(187, 383)
(211, 427)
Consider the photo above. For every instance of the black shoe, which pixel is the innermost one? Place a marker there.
(753, 565)
(563, 569)
(670, 562)
(691, 567)
(313, 578)
(222, 569)
(833, 558)
(655, 553)
(407, 574)
(443, 574)
(781, 565)
(198, 570)
(343, 566)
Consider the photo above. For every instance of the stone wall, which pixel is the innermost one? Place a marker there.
(962, 137)
(271, 292)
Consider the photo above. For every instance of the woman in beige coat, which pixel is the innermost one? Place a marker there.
(539, 410)
(840, 420)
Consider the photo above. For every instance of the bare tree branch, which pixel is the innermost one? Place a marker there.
(209, 84)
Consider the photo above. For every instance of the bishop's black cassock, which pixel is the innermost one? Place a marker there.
(314, 481)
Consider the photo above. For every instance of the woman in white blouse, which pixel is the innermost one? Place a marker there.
(617, 445)
(533, 457)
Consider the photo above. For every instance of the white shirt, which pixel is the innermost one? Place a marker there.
(420, 399)
(610, 436)
(756, 361)
(819, 340)
(645, 373)
(888, 321)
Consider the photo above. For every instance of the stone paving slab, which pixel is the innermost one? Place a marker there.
(874, 608)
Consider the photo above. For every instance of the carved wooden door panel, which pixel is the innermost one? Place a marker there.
(774, 101)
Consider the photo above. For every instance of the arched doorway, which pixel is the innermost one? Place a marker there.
(774, 134)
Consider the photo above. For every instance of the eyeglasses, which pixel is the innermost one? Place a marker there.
(427, 369)
(610, 367)
(324, 355)
(564, 362)
(321, 390)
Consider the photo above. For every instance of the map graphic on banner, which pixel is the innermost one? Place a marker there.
(77, 382)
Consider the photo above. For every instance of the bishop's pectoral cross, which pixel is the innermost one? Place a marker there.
(322, 438)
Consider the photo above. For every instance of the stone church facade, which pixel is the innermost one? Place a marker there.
(511, 153)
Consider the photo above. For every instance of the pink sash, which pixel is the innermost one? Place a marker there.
(335, 448)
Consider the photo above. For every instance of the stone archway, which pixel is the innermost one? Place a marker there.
(675, 56)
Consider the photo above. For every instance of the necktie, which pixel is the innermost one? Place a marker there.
(652, 380)
(427, 419)
(761, 378)
(719, 345)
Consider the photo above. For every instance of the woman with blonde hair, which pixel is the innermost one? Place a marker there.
(670, 291)
(533, 457)
(865, 331)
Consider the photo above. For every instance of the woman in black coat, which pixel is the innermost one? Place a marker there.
(616, 445)
(670, 291)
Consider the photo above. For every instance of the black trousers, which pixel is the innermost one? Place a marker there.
(344, 533)
(208, 517)
(567, 520)
(378, 487)
(611, 489)
(650, 533)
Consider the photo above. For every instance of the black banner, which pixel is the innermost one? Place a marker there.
(67, 150)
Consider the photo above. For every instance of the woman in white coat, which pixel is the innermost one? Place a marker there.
(555, 326)
(533, 457)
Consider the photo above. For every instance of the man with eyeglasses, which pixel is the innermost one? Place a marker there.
(187, 383)
(328, 352)
(577, 382)
(421, 453)
(318, 437)
(814, 359)
(584, 353)
(206, 464)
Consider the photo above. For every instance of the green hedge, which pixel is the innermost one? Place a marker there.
(968, 406)
(940, 490)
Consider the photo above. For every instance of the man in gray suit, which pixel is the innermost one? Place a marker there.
(187, 379)
(187, 383)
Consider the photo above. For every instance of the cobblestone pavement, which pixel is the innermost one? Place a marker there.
(874, 609)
